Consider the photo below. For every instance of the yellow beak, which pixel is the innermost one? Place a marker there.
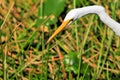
(62, 26)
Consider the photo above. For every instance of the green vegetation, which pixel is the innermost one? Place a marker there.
(86, 50)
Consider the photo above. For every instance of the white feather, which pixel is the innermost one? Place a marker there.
(100, 11)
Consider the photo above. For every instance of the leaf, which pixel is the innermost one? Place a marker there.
(51, 10)
(71, 61)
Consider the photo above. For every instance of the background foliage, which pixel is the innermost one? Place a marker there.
(86, 50)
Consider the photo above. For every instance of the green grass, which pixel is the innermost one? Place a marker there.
(89, 44)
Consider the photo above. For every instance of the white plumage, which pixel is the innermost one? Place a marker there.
(74, 14)
(100, 11)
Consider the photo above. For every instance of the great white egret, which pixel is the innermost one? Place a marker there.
(74, 14)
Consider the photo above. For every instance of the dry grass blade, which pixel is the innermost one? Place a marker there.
(7, 15)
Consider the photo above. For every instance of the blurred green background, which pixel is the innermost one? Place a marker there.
(86, 50)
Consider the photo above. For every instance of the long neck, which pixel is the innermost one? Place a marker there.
(115, 26)
(100, 11)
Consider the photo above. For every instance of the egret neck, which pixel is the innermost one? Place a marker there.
(74, 14)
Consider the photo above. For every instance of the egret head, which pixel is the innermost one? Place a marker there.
(74, 14)
(70, 17)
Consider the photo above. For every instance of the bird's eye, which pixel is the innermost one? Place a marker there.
(71, 19)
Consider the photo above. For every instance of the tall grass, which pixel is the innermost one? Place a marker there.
(24, 54)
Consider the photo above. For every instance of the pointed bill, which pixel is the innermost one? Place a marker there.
(62, 26)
